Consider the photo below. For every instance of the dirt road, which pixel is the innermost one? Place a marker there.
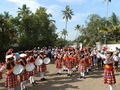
(93, 81)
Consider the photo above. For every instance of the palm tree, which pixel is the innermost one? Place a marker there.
(6, 15)
(24, 11)
(64, 33)
(67, 15)
(77, 27)
(116, 32)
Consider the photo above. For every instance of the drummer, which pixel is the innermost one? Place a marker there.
(69, 63)
(42, 68)
(31, 59)
(11, 80)
(35, 55)
(24, 75)
(58, 63)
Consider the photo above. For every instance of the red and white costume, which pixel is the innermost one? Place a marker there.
(68, 61)
(11, 80)
(109, 76)
(42, 68)
(30, 59)
(58, 64)
(82, 67)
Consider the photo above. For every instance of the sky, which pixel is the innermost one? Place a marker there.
(81, 10)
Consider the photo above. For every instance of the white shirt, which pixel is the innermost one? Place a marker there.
(94, 52)
(115, 58)
(119, 55)
(98, 55)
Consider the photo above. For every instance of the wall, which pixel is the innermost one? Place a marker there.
(111, 47)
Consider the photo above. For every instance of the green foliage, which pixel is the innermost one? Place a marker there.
(77, 27)
(61, 42)
(36, 29)
(99, 29)
(7, 31)
(67, 14)
(27, 29)
(64, 33)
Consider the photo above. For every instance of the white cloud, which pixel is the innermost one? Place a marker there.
(79, 1)
(34, 4)
(54, 9)
(72, 1)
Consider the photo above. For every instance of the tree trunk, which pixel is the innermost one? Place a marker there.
(66, 25)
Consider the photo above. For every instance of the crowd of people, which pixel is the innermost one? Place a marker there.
(67, 59)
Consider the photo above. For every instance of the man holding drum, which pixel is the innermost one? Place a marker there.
(30, 68)
(24, 75)
(42, 68)
(11, 80)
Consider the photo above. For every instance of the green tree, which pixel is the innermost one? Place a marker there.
(64, 33)
(24, 11)
(7, 33)
(36, 29)
(114, 19)
(67, 15)
(27, 29)
(77, 27)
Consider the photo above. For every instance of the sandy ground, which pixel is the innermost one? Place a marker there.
(93, 81)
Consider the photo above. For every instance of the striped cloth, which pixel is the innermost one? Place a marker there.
(24, 76)
(42, 68)
(11, 81)
(109, 77)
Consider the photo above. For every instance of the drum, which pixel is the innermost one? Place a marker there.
(23, 55)
(46, 61)
(106, 62)
(16, 56)
(18, 69)
(30, 67)
(9, 56)
(38, 61)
